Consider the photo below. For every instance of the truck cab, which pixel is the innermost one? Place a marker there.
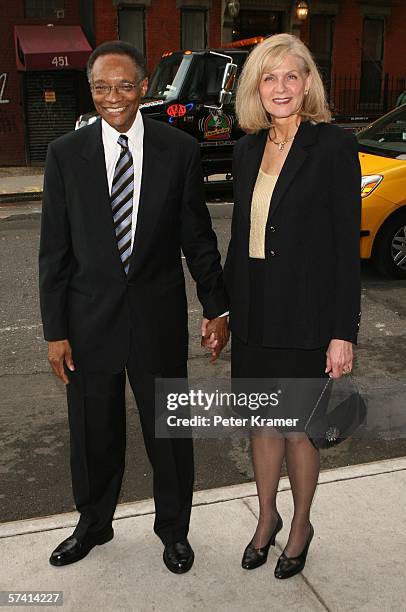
(184, 91)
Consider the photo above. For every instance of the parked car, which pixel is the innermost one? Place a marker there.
(383, 190)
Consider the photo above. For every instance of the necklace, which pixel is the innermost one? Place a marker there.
(280, 144)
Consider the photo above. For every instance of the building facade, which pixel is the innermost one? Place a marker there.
(43, 87)
(359, 45)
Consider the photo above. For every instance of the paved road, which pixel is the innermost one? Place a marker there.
(34, 460)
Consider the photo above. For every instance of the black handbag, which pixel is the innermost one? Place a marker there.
(326, 429)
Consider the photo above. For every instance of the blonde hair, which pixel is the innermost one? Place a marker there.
(269, 54)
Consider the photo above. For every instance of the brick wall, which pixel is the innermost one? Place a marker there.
(162, 26)
(12, 128)
(214, 24)
(347, 50)
(347, 41)
(12, 148)
(162, 30)
(395, 42)
(105, 20)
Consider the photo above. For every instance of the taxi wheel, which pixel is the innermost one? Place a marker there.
(390, 250)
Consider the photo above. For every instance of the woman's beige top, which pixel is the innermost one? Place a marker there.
(261, 199)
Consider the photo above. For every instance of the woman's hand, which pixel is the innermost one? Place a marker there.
(339, 358)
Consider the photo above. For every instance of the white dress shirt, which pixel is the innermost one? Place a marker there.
(112, 152)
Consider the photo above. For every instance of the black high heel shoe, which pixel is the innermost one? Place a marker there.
(289, 566)
(254, 557)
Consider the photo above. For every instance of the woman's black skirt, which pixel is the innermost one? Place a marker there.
(296, 374)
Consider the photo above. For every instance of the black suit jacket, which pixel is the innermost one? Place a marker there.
(84, 291)
(312, 267)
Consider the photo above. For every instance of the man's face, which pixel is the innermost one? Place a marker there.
(119, 74)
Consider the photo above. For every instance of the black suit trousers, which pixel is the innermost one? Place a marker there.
(97, 420)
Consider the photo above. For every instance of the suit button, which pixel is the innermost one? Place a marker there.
(272, 228)
(272, 253)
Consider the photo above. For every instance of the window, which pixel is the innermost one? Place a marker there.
(169, 76)
(43, 9)
(207, 76)
(387, 136)
(321, 44)
(250, 23)
(131, 26)
(193, 29)
(372, 56)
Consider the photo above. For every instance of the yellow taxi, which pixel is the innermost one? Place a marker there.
(382, 147)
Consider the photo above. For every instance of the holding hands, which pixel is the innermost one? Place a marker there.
(215, 335)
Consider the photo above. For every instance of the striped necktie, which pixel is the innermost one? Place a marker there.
(121, 200)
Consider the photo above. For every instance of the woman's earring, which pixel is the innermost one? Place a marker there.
(306, 92)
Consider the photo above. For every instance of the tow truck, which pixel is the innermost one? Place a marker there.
(194, 91)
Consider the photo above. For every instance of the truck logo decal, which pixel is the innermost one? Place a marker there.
(186, 118)
(216, 127)
(176, 110)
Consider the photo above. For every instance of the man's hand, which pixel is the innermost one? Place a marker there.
(339, 358)
(60, 352)
(215, 335)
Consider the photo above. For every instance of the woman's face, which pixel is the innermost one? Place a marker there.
(282, 89)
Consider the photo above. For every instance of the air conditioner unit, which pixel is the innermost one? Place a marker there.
(60, 13)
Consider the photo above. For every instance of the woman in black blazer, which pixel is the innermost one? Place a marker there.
(292, 269)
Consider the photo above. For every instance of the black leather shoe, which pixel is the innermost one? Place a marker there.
(179, 557)
(290, 566)
(255, 557)
(73, 549)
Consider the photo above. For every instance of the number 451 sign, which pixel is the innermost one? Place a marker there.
(60, 61)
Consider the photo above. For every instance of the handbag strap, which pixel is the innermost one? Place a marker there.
(318, 401)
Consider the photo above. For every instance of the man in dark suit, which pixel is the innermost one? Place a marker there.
(122, 197)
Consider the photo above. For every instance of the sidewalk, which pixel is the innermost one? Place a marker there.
(21, 187)
(21, 195)
(356, 560)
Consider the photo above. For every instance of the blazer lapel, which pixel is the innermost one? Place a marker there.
(305, 137)
(99, 197)
(154, 191)
(252, 163)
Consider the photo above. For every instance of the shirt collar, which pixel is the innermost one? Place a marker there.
(135, 133)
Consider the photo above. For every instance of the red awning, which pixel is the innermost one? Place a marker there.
(50, 47)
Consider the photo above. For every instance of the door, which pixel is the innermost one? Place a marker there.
(51, 110)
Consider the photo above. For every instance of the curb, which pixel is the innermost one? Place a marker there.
(204, 497)
(15, 199)
(23, 197)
